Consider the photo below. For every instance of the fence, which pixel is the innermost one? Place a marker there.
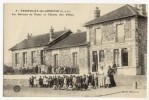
(41, 69)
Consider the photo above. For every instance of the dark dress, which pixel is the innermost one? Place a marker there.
(89, 79)
(110, 74)
(40, 82)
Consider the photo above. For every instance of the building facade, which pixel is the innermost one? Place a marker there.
(55, 49)
(30, 52)
(71, 51)
(119, 37)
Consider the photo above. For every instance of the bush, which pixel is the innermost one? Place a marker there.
(8, 69)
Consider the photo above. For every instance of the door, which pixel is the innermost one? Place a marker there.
(95, 62)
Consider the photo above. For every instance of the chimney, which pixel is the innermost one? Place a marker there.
(51, 34)
(64, 28)
(78, 30)
(141, 8)
(96, 13)
(29, 36)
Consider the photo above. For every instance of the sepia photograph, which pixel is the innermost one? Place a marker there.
(75, 50)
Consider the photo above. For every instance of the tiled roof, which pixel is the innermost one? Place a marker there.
(122, 12)
(35, 41)
(72, 40)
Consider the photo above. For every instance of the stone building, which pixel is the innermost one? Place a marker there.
(71, 50)
(119, 37)
(30, 51)
(58, 49)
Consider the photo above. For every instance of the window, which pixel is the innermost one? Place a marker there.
(95, 62)
(120, 33)
(101, 55)
(17, 59)
(124, 53)
(33, 57)
(24, 59)
(74, 58)
(55, 60)
(98, 35)
(42, 57)
(116, 56)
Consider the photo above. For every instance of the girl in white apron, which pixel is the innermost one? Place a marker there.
(101, 78)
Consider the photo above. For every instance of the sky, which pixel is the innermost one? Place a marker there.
(16, 27)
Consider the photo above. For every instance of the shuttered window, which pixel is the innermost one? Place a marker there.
(120, 35)
(98, 36)
(24, 59)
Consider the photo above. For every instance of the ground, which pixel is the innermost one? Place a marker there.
(125, 88)
(119, 91)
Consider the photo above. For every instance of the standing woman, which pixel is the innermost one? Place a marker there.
(111, 73)
(101, 77)
(65, 83)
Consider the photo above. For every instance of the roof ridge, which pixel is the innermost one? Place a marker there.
(35, 41)
(114, 10)
(79, 32)
(48, 33)
(66, 31)
(133, 10)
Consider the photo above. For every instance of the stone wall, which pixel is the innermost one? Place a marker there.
(49, 58)
(108, 57)
(142, 42)
(109, 31)
(83, 60)
(29, 63)
(65, 57)
(128, 29)
(109, 44)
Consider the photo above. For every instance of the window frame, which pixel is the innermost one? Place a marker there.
(17, 62)
(33, 57)
(98, 39)
(75, 58)
(122, 51)
(114, 55)
(25, 59)
(42, 56)
(118, 37)
(56, 60)
(95, 60)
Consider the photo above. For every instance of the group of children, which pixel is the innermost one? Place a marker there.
(72, 82)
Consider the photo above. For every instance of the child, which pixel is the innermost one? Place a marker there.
(65, 87)
(65, 83)
(107, 82)
(90, 86)
(46, 83)
(30, 82)
(74, 87)
(84, 86)
(35, 82)
(70, 87)
(54, 87)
